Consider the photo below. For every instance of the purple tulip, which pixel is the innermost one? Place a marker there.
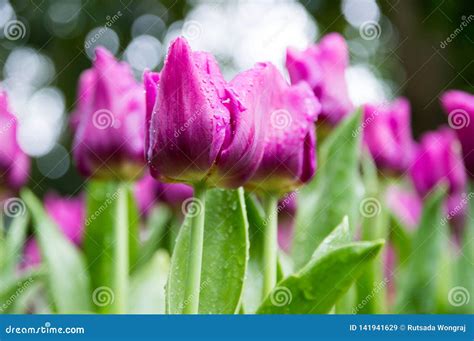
(14, 163)
(289, 157)
(323, 67)
(68, 213)
(405, 205)
(149, 191)
(460, 108)
(109, 121)
(198, 127)
(438, 158)
(387, 134)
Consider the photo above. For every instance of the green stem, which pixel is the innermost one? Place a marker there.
(121, 251)
(193, 279)
(270, 245)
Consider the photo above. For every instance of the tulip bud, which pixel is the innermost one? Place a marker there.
(289, 156)
(323, 67)
(199, 130)
(460, 108)
(109, 121)
(14, 163)
(387, 134)
(438, 159)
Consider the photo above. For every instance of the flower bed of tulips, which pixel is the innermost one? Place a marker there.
(209, 196)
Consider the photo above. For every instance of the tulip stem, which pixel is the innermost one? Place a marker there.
(270, 244)
(193, 281)
(121, 253)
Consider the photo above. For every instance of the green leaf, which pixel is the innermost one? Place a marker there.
(225, 254)
(147, 286)
(68, 279)
(340, 236)
(333, 193)
(464, 285)
(317, 286)
(99, 237)
(14, 242)
(418, 287)
(157, 222)
(371, 284)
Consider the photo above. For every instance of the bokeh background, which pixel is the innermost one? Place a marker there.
(414, 48)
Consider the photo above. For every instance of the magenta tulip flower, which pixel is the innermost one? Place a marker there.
(460, 108)
(148, 191)
(387, 134)
(199, 129)
(405, 205)
(438, 159)
(289, 157)
(69, 213)
(14, 163)
(109, 121)
(323, 67)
